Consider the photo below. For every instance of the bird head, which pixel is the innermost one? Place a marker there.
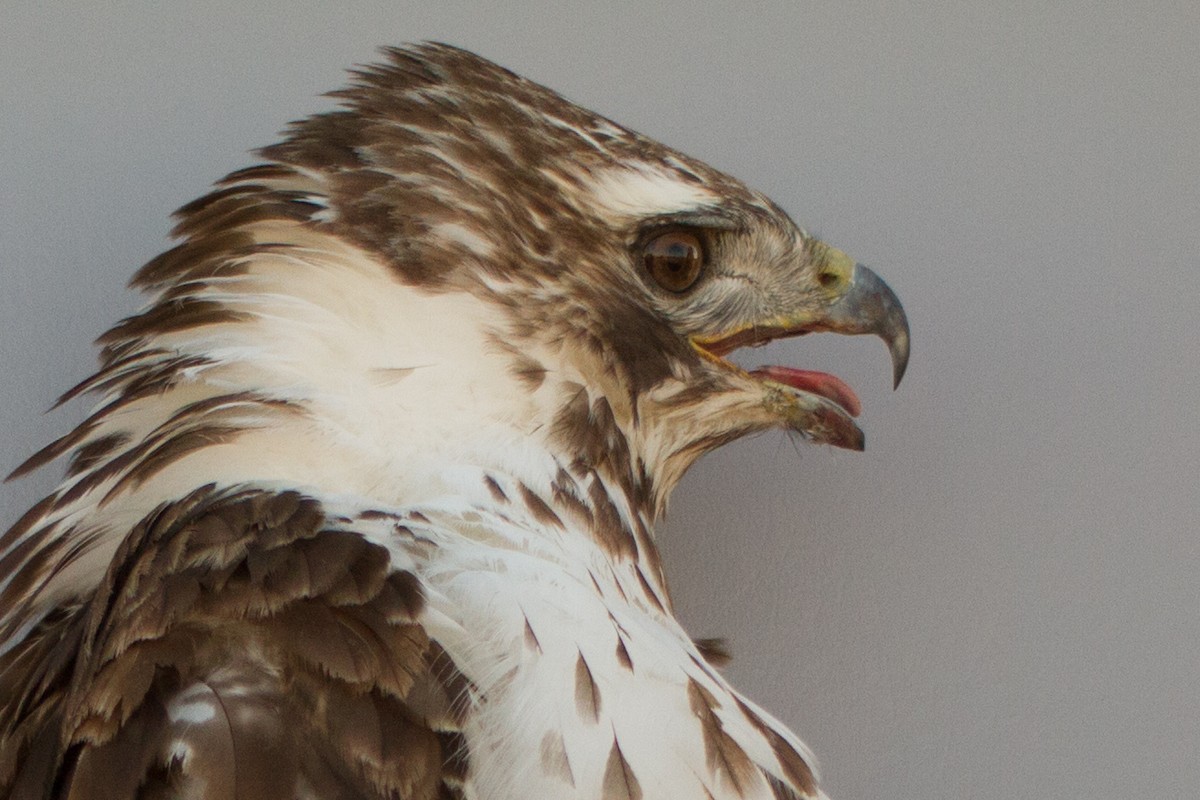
(623, 273)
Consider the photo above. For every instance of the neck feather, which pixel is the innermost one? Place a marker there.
(310, 366)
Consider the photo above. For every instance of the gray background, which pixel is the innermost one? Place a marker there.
(1000, 597)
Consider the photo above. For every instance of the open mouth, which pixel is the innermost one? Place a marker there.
(823, 384)
(817, 404)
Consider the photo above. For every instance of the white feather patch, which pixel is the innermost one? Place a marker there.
(646, 190)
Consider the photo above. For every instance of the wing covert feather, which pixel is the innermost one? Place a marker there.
(240, 646)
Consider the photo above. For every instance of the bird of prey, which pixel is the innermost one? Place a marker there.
(364, 508)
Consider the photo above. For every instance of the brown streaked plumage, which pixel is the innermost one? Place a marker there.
(248, 603)
(379, 461)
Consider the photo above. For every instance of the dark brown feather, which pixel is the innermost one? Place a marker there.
(623, 654)
(715, 651)
(725, 757)
(540, 509)
(795, 768)
(587, 693)
(619, 781)
(494, 488)
(176, 315)
(608, 529)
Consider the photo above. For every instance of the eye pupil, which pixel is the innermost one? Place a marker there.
(675, 260)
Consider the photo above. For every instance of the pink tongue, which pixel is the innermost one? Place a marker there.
(822, 383)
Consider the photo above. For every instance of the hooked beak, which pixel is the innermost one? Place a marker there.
(870, 306)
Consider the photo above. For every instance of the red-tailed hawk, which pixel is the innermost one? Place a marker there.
(364, 509)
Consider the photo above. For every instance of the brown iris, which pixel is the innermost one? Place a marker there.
(674, 259)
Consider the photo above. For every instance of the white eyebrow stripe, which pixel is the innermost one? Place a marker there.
(646, 190)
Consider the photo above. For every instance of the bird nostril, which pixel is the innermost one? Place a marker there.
(829, 279)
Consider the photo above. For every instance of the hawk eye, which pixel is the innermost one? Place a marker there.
(674, 259)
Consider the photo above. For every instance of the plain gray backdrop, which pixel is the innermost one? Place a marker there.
(1001, 597)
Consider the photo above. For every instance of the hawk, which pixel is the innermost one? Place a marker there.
(365, 505)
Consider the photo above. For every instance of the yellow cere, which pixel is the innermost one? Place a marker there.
(834, 268)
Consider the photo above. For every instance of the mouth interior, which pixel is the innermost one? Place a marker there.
(822, 384)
